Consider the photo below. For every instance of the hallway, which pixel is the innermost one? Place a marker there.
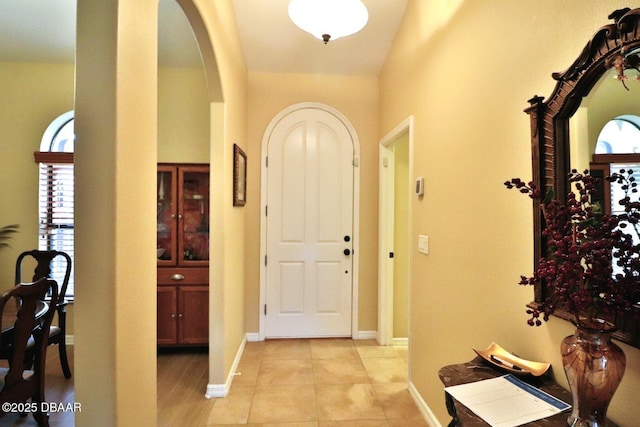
(301, 382)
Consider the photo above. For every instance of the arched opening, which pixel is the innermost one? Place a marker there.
(191, 135)
(620, 135)
(117, 165)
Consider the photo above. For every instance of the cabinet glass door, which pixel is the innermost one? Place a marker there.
(166, 215)
(193, 215)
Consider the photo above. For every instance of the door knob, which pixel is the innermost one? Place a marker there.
(347, 238)
(346, 252)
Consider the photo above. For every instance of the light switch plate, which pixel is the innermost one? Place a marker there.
(423, 244)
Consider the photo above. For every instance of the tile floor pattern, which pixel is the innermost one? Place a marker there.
(319, 382)
(292, 383)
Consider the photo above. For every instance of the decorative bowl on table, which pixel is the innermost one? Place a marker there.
(498, 356)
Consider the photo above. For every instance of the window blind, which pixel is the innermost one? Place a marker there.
(617, 194)
(56, 207)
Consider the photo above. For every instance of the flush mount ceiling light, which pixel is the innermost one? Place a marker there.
(329, 19)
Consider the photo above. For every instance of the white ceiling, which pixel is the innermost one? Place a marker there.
(44, 30)
(272, 43)
(37, 30)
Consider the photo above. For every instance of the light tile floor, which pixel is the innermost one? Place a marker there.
(320, 383)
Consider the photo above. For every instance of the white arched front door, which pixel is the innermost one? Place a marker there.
(309, 211)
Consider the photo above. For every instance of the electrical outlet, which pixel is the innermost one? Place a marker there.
(423, 244)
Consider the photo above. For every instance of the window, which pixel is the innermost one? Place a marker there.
(56, 192)
(620, 136)
(617, 147)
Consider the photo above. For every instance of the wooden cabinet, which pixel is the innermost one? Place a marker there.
(183, 254)
(183, 315)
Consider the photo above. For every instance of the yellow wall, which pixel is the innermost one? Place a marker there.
(183, 116)
(36, 93)
(401, 238)
(32, 96)
(357, 99)
(115, 166)
(465, 71)
(466, 88)
(228, 126)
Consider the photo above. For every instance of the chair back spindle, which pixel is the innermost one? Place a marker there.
(18, 387)
(57, 333)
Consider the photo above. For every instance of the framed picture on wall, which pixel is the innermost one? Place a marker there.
(239, 176)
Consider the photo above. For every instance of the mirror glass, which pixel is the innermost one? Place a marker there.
(608, 122)
(607, 101)
(591, 120)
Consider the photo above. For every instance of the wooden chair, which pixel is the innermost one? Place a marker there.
(57, 333)
(20, 385)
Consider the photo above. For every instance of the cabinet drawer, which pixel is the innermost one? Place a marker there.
(183, 276)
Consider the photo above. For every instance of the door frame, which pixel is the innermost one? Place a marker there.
(386, 229)
(356, 208)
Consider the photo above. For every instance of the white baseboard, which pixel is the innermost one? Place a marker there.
(424, 409)
(222, 390)
(69, 339)
(360, 335)
(401, 342)
(366, 335)
(216, 390)
(253, 337)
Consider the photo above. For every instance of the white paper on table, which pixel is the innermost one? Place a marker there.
(506, 401)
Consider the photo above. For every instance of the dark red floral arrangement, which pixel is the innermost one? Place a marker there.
(592, 267)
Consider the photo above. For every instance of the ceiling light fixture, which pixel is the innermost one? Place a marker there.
(623, 62)
(329, 19)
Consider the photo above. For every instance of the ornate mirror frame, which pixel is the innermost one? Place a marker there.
(550, 131)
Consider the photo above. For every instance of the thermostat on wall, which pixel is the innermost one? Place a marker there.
(420, 186)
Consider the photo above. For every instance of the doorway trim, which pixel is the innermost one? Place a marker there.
(385, 229)
(356, 208)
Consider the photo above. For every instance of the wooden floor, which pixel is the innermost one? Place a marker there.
(58, 390)
(302, 383)
(183, 376)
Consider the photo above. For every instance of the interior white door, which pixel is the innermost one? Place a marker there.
(309, 226)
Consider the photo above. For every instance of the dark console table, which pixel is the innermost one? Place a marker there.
(477, 370)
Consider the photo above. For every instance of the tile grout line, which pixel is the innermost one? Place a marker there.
(255, 386)
(260, 359)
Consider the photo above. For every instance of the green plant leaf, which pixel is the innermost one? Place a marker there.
(6, 233)
(551, 194)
